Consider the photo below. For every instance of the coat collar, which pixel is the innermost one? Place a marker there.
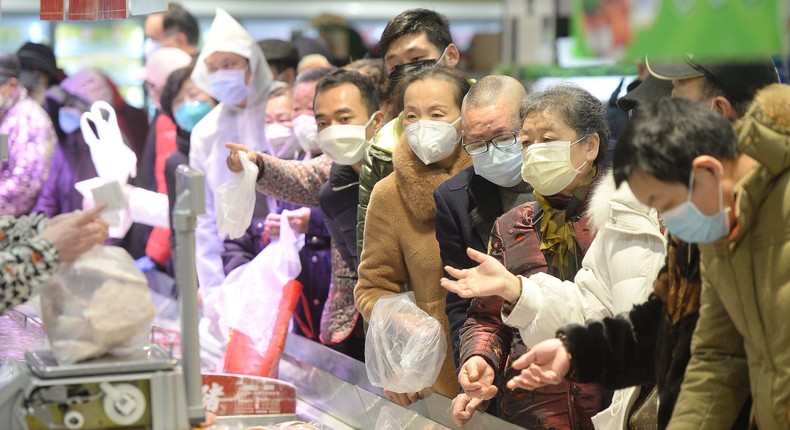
(416, 181)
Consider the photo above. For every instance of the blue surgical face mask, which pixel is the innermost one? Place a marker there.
(228, 86)
(501, 166)
(689, 224)
(189, 113)
(69, 119)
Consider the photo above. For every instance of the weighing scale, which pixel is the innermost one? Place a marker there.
(144, 391)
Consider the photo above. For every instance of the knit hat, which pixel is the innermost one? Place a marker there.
(88, 85)
(9, 67)
(35, 56)
(162, 63)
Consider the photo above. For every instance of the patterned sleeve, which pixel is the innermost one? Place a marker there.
(293, 181)
(26, 262)
(31, 140)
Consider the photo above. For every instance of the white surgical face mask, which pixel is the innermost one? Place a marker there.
(345, 143)
(150, 46)
(306, 132)
(281, 141)
(502, 166)
(228, 86)
(432, 141)
(548, 167)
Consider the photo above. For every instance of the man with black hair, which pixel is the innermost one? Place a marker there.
(282, 57)
(414, 36)
(175, 28)
(735, 205)
(347, 115)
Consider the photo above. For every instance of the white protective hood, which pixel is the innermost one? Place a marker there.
(224, 124)
(241, 125)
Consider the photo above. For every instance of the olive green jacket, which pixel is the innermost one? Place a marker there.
(742, 341)
(377, 165)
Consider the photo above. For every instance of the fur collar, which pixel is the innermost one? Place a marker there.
(598, 208)
(605, 195)
(416, 181)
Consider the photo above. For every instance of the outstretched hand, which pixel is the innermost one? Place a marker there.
(233, 161)
(547, 363)
(490, 278)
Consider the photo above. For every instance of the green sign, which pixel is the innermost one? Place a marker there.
(715, 29)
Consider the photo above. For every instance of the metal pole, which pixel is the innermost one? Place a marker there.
(190, 186)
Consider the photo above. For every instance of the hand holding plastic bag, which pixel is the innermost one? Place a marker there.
(98, 304)
(405, 347)
(236, 200)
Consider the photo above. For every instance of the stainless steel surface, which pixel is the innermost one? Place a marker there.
(190, 202)
(18, 333)
(13, 379)
(338, 385)
(43, 364)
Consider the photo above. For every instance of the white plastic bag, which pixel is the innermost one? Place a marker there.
(236, 200)
(98, 304)
(405, 347)
(251, 293)
(112, 158)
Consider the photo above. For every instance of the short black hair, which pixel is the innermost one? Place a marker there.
(313, 75)
(172, 86)
(458, 79)
(582, 111)
(367, 90)
(179, 19)
(433, 24)
(666, 135)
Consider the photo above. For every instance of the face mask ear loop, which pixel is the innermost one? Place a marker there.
(441, 57)
(691, 185)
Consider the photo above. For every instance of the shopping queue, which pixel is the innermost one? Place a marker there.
(569, 280)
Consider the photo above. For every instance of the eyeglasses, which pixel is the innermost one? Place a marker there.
(478, 147)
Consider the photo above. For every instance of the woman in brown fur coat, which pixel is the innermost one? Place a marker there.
(400, 251)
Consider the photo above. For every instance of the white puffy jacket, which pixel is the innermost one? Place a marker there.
(617, 272)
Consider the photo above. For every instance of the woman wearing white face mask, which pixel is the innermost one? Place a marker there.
(232, 69)
(563, 138)
(400, 252)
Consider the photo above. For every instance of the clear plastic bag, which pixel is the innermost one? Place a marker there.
(256, 303)
(236, 200)
(405, 347)
(98, 304)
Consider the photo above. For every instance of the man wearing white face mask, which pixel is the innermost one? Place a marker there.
(348, 116)
(232, 69)
(468, 204)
